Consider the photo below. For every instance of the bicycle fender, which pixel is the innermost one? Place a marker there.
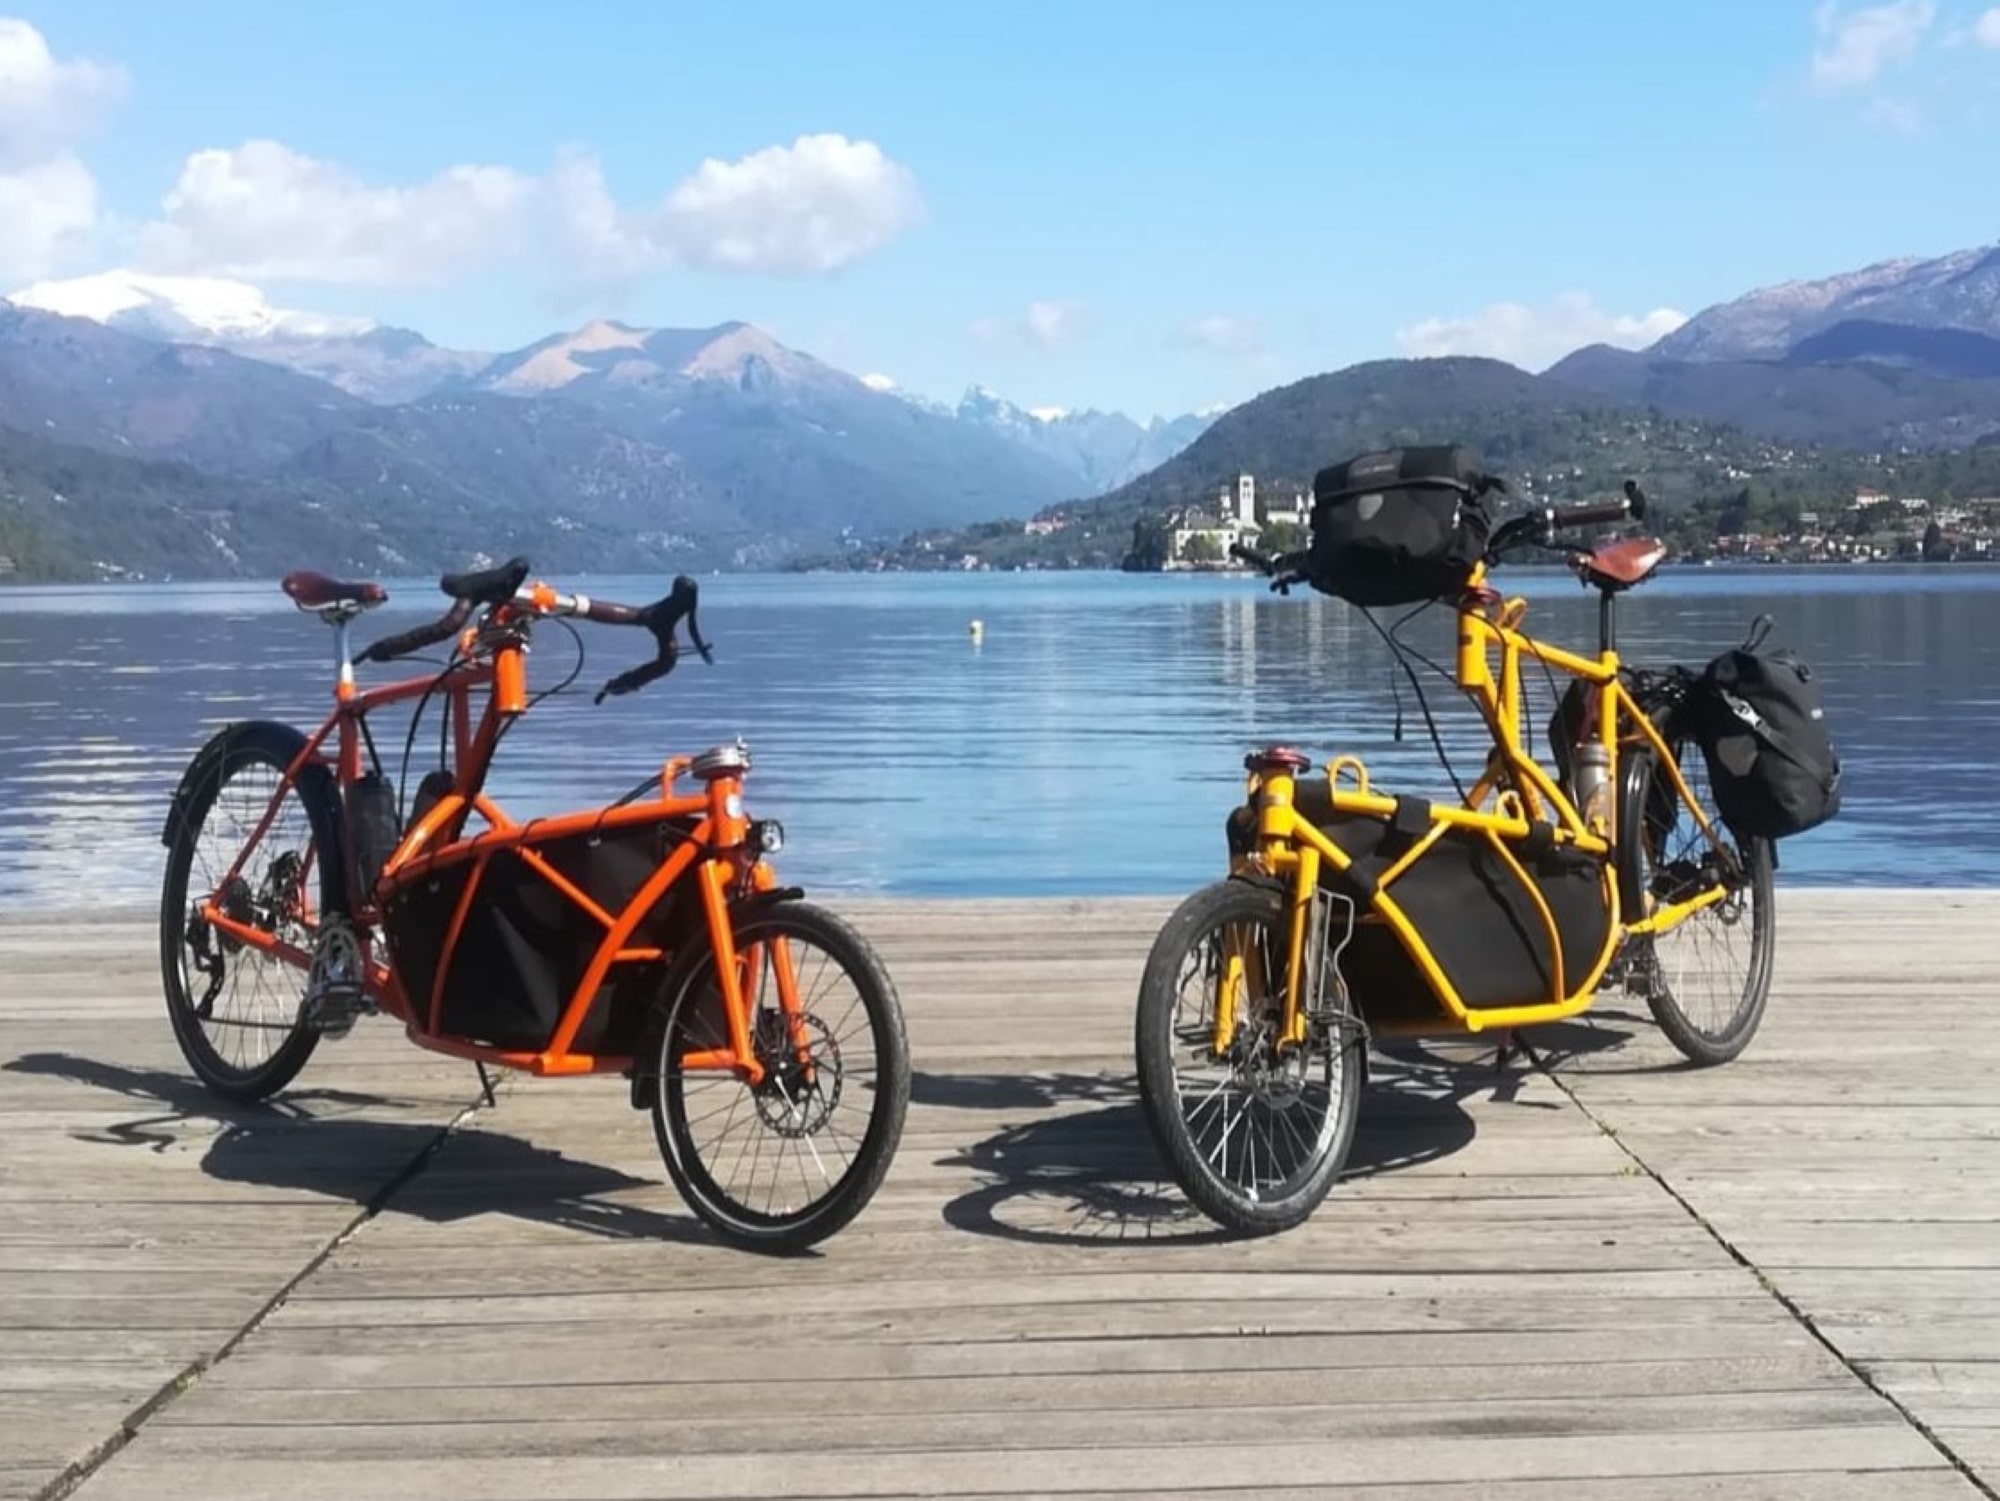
(282, 742)
(282, 738)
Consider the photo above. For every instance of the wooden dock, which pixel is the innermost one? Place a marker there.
(1595, 1277)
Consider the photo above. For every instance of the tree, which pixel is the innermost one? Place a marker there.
(1282, 536)
(1935, 548)
(1149, 546)
(1201, 548)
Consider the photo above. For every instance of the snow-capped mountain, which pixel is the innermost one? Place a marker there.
(605, 362)
(1104, 449)
(183, 309)
(358, 355)
(1960, 292)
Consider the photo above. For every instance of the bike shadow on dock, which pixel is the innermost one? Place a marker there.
(1610, 1038)
(1085, 1171)
(319, 1141)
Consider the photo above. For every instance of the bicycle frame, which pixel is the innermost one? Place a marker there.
(1525, 803)
(716, 854)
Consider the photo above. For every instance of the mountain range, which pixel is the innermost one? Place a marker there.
(713, 447)
(183, 424)
(1905, 353)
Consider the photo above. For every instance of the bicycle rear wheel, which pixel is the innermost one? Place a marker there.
(236, 1010)
(781, 1165)
(1706, 980)
(1257, 1137)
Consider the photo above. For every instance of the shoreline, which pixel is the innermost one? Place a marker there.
(11, 583)
(72, 915)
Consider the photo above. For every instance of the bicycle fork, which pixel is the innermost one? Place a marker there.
(738, 971)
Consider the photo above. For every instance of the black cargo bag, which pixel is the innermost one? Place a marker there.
(1762, 726)
(525, 945)
(1400, 526)
(1482, 924)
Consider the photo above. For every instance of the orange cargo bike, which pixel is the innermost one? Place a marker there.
(649, 938)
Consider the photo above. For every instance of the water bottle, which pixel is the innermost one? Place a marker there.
(1590, 784)
(372, 834)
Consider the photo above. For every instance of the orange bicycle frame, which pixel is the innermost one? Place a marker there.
(715, 855)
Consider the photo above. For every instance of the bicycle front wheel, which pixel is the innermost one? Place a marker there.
(1707, 978)
(1257, 1134)
(782, 1164)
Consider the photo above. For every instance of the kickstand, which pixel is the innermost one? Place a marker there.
(485, 1082)
(1505, 1053)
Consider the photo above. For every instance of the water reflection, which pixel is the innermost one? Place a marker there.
(1090, 743)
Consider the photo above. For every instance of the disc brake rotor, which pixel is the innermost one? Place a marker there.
(796, 1098)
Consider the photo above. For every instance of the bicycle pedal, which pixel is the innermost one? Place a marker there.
(332, 1012)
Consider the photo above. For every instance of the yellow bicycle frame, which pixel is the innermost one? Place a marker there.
(1289, 846)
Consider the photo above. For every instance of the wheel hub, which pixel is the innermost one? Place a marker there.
(796, 1097)
(1276, 1077)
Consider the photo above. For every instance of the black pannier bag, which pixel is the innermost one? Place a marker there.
(1761, 722)
(1400, 526)
(525, 944)
(1484, 927)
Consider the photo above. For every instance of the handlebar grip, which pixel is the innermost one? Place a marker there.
(609, 612)
(1564, 517)
(1263, 562)
(416, 639)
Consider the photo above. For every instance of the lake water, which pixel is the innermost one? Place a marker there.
(1091, 743)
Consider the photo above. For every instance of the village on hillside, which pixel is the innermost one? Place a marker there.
(1870, 526)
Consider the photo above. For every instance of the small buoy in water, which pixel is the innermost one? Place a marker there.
(978, 631)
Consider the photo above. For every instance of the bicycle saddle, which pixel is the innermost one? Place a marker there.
(487, 586)
(315, 591)
(1620, 565)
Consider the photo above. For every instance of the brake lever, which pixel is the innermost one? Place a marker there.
(662, 617)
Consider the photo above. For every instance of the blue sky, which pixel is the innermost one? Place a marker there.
(1155, 206)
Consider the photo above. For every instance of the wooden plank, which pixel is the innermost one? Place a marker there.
(144, 1223)
(1499, 1302)
(1190, 1465)
(254, 1400)
(1850, 1162)
(572, 1429)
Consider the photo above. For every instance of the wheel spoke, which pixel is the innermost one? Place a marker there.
(1255, 1136)
(813, 1137)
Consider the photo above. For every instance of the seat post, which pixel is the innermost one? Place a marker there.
(340, 617)
(1607, 620)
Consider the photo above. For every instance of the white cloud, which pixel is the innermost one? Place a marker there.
(47, 212)
(1045, 324)
(1986, 31)
(263, 211)
(1898, 115)
(1222, 333)
(266, 212)
(47, 106)
(817, 205)
(48, 199)
(879, 382)
(1858, 46)
(1536, 337)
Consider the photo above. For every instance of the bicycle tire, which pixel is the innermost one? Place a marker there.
(240, 746)
(1240, 1209)
(1644, 815)
(683, 996)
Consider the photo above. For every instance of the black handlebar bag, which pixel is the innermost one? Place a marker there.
(1400, 526)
